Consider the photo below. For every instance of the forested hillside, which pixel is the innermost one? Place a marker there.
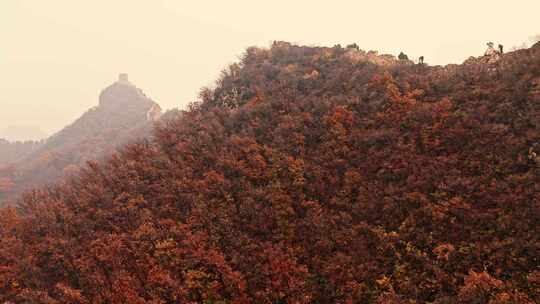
(124, 114)
(13, 151)
(307, 175)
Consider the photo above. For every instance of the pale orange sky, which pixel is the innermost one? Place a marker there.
(57, 55)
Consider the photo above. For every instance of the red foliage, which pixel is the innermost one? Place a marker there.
(362, 183)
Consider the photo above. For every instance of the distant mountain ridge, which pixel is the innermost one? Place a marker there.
(13, 151)
(124, 114)
(22, 133)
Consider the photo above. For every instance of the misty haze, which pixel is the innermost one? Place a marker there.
(282, 152)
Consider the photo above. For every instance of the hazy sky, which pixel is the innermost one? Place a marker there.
(57, 55)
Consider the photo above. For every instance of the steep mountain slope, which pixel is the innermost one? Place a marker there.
(123, 115)
(308, 175)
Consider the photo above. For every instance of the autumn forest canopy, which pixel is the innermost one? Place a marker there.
(305, 175)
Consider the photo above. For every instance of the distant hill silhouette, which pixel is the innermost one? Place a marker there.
(307, 175)
(124, 114)
(22, 133)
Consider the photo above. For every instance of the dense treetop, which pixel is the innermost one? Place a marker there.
(307, 175)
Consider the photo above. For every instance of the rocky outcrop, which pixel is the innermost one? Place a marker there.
(486, 59)
(356, 56)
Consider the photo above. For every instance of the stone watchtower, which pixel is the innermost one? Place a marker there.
(123, 77)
